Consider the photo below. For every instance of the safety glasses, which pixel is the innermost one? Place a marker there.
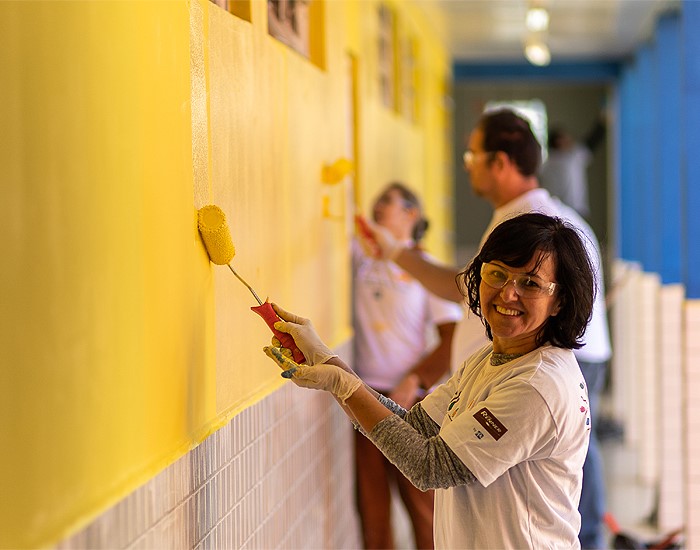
(526, 286)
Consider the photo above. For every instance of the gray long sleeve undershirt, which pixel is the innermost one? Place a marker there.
(410, 440)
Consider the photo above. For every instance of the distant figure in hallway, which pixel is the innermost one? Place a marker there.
(564, 171)
(392, 316)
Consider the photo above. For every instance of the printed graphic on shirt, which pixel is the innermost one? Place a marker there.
(584, 407)
(490, 423)
(451, 408)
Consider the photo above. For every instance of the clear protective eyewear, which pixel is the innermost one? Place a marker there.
(526, 286)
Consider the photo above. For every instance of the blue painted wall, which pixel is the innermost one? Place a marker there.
(656, 215)
(690, 149)
(658, 211)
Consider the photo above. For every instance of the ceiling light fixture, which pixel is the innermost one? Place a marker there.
(537, 19)
(537, 53)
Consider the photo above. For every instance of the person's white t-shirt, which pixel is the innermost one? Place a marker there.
(564, 176)
(522, 429)
(395, 317)
(470, 333)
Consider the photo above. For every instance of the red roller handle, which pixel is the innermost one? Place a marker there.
(366, 232)
(363, 227)
(268, 314)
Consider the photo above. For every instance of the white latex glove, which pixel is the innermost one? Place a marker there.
(304, 336)
(377, 241)
(321, 376)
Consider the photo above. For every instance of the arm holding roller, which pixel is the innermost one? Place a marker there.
(337, 378)
(325, 371)
(304, 335)
(413, 445)
(270, 317)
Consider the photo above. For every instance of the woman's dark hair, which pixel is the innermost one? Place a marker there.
(515, 242)
(506, 131)
(410, 200)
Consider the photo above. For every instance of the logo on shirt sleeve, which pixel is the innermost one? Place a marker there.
(490, 423)
(451, 409)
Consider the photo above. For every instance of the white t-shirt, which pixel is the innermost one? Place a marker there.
(564, 176)
(522, 429)
(393, 318)
(470, 334)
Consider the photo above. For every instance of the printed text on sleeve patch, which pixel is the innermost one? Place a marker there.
(490, 423)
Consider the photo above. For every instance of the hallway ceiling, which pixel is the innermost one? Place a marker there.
(494, 30)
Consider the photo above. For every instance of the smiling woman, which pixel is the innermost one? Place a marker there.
(556, 256)
(516, 313)
(506, 436)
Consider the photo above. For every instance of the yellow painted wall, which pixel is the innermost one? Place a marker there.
(391, 146)
(121, 347)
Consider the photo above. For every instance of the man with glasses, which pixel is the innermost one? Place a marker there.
(502, 160)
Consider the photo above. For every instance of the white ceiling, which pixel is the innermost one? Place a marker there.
(494, 30)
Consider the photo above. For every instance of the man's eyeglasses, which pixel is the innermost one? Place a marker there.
(469, 157)
(526, 286)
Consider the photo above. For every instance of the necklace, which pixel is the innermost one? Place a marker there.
(502, 358)
(486, 375)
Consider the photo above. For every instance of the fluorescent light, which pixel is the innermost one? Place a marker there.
(537, 19)
(537, 53)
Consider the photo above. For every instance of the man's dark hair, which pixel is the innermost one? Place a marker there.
(508, 132)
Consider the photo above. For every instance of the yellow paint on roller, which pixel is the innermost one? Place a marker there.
(217, 240)
(216, 235)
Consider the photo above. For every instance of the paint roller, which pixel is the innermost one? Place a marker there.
(217, 241)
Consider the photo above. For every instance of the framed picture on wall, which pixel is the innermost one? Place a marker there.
(288, 22)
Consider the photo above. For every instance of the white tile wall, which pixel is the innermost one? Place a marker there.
(671, 460)
(624, 372)
(655, 391)
(647, 339)
(692, 421)
(279, 475)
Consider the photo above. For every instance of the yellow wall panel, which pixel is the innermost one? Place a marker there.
(121, 346)
(392, 146)
(101, 337)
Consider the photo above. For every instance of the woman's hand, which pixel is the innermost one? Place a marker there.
(330, 378)
(377, 241)
(304, 336)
